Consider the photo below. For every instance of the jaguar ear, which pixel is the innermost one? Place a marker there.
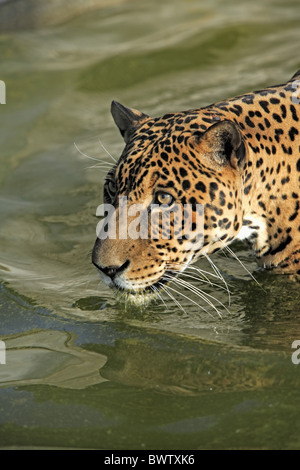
(224, 143)
(127, 119)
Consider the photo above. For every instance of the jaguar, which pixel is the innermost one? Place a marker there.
(239, 159)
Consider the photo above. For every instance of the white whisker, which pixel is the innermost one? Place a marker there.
(165, 289)
(234, 255)
(217, 271)
(99, 162)
(203, 294)
(156, 291)
(198, 278)
(84, 154)
(100, 167)
(199, 293)
(201, 271)
(190, 300)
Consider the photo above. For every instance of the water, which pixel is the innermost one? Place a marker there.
(83, 371)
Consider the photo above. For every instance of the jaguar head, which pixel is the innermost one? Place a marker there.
(173, 196)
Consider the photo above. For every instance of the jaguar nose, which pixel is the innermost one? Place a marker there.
(112, 271)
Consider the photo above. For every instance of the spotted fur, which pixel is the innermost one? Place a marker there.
(240, 158)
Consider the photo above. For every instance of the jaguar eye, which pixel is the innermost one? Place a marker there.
(164, 198)
(109, 190)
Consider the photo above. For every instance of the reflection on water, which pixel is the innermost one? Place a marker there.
(84, 370)
(154, 391)
(192, 368)
(48, 357)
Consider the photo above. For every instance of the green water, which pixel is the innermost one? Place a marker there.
(81, 370)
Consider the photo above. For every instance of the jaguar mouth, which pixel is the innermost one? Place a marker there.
(156, 286)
